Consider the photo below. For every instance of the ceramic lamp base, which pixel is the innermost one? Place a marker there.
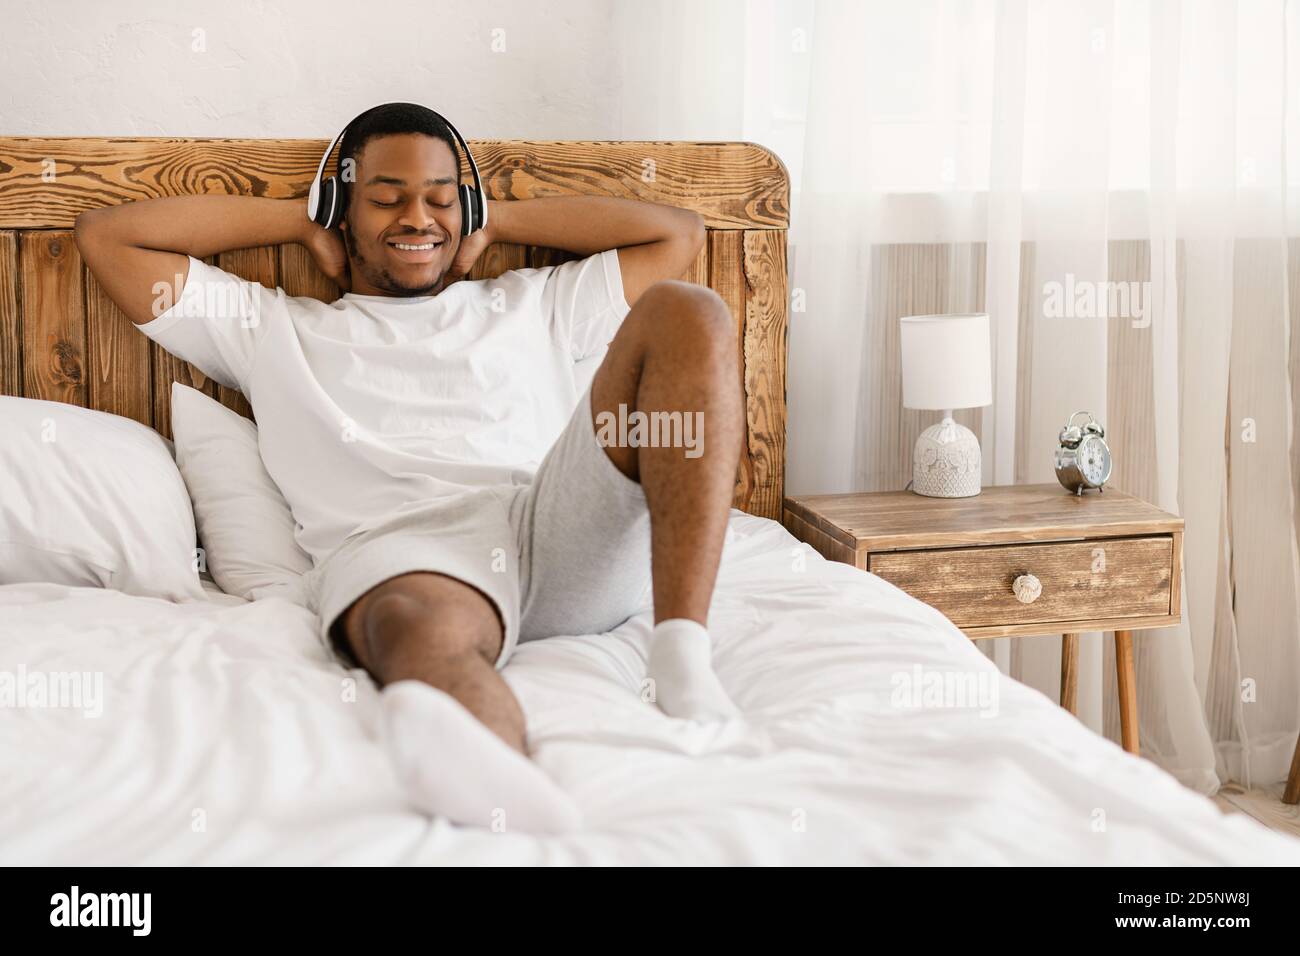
(946, 461)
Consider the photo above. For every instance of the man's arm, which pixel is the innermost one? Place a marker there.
(654, 242)
(132, 247)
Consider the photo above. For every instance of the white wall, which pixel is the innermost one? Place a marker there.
(297, 68)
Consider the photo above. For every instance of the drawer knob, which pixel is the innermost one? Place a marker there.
(1027, 588)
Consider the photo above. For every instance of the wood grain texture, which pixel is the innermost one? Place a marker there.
(1001, 514)
(1070, 673)
(539, 257)
(300, 277)
(822, 543)
(1127, 680)
(698, 271)
(961, 556)
(497, 258)
(727, 278)
(972, 586)
(763, 365)
(1176, 585)
(119, 372)
(166, 369)
(732, 185)
(11, 329)
(53, 318)
(1141, 622)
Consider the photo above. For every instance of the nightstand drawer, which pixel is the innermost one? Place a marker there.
(1080, 580)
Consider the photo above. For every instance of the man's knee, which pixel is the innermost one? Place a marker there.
(447, 621)
(691, 305)
(685, 316)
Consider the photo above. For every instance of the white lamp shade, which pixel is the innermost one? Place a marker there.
(946, 361)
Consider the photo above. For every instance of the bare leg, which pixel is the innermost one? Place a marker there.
(452, 727)
(676, 352)
(439, 630)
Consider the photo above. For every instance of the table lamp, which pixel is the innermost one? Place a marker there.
(946, 365)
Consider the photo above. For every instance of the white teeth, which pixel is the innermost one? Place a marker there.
(420, 248)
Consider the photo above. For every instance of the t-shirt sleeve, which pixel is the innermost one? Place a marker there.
(583, 302)
(216, 323)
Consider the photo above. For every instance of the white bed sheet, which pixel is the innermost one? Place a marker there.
(227, 737)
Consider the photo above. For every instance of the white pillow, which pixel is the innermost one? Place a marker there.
(93, 500)
(245, 525)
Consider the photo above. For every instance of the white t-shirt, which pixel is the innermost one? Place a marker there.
(372, 404)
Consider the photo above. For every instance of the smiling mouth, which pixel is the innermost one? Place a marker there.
(414, 245)
(422, 251)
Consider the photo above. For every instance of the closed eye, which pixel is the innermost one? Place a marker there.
(390, 205)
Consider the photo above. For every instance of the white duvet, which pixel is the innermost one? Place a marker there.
(227, 737)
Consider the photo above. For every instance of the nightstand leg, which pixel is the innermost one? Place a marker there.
(1292, 794)
(1070, 673)
(1128, 705)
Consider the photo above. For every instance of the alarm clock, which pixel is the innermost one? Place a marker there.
(1083, 457)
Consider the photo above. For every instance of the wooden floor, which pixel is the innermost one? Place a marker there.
(1264, 804)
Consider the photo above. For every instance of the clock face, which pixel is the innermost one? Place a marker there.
(1094, 460)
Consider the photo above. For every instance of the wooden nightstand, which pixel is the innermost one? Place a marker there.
(1105, 562)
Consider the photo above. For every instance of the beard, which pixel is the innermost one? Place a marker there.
(381, 278)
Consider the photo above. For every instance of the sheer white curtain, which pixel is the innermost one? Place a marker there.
(1136, 162)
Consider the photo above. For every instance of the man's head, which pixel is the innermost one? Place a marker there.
(403, 215)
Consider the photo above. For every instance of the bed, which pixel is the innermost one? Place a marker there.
(233, 738)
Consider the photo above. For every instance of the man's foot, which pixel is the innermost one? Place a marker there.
(681, 666)
(453, 766)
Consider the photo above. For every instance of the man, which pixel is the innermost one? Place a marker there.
(405, 423)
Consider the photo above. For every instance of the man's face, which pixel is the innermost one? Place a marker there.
(402, 227)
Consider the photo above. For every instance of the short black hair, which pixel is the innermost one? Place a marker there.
(388, 120)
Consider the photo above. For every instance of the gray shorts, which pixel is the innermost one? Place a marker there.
(567, 554)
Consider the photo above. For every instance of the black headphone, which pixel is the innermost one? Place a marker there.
(325, 200)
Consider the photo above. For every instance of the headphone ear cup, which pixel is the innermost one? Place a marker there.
(471, 216)
(327, 209)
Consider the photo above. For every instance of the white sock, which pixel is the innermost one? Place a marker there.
(453, 766)
(681, 666)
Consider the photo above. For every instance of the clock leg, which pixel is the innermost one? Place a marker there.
(1128, 707)
(1070, 673)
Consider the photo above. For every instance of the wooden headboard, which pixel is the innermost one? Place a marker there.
(62, 339)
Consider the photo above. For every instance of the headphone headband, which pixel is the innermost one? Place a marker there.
(328, 213)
